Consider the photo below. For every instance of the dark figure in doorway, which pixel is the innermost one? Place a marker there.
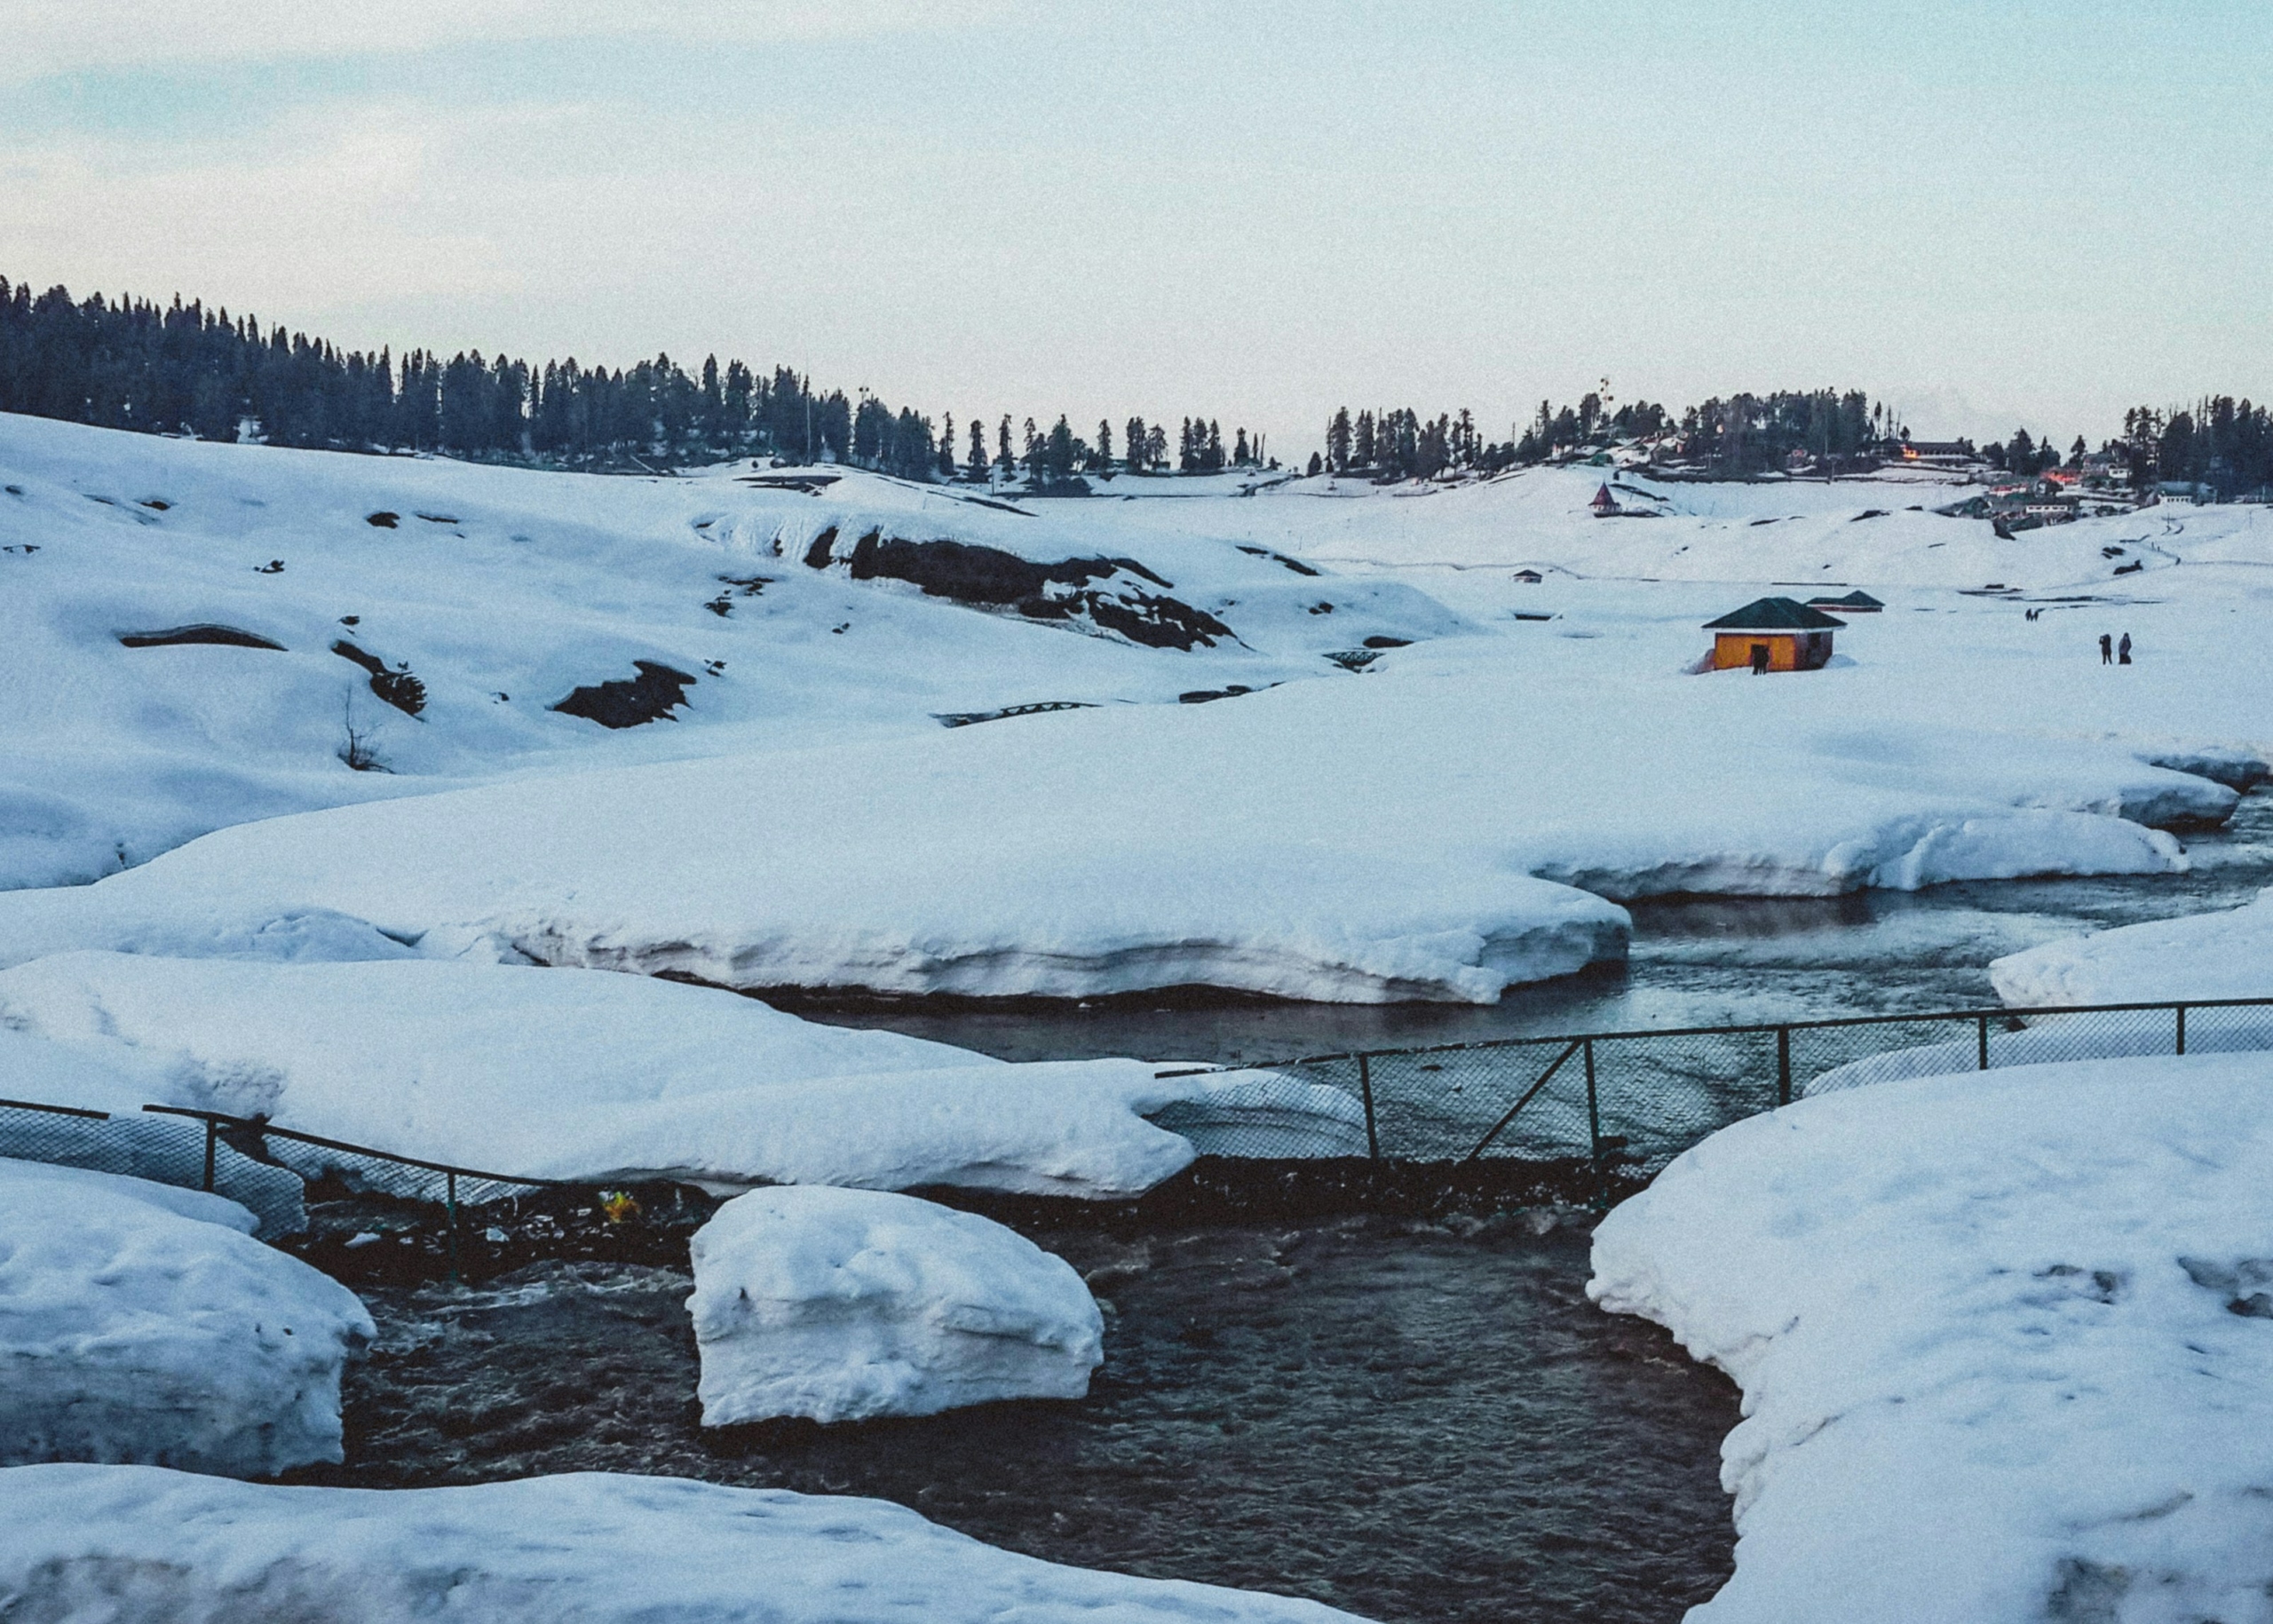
(2123, 650)
(1760, 660)
(2106, 649)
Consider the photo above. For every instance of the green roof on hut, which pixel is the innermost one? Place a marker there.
(1775, 614)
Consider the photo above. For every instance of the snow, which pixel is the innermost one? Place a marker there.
(578, 1074)
(141, 1323)
(2003, 1341)
(1458, 818)
(848, 1305)
(2225, 955)
(140, 1546)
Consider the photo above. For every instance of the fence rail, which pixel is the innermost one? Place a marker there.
(1632, 1101)
(1623, 1104)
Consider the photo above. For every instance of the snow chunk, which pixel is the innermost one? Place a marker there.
(845, 1305)
(1998, 1337)
(2226, 954)
(139, 1545)
(140, 1323)
(578, 1074)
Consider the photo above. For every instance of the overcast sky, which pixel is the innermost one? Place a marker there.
(1987, 214)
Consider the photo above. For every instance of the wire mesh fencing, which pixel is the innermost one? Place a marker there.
(1618, 1106)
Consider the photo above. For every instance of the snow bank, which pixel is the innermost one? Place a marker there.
(845, 1304)
(2227, 954)
(577, 1074)
(138, 1546)
(2004, 1342)
(140, 1323)
(1386, 838)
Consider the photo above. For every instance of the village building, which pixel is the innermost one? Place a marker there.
(1772, 633)
(1529, 577)
(1605, 505)
(1853, 603)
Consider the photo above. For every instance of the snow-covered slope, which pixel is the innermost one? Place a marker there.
(139, 1545)
(142, 1323)
(2005, 1342)
(271, 593)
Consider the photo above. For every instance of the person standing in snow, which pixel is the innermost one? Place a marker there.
(2106, 649)
(2123, 650)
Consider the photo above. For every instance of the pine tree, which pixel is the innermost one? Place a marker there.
(1102, 457)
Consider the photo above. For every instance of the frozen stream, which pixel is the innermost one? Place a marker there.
(1694, 964)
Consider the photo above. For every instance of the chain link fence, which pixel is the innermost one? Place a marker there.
(1601, 1113)
(1621, 1105)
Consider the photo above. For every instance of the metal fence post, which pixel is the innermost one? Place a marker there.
(450, 1195)
(212, 1132)
(1594, 1133)
(1783, 1065)
(2182, 1027)
(1983, 1023)
(1366, 1091)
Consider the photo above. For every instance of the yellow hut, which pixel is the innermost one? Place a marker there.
(1772, 633)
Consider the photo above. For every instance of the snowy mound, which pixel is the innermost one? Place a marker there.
(578, 1074)
(2005, 1342)
(845, 1305)
(140, 1323)
(1372, 840)
(138, 1545)
(2227, 954)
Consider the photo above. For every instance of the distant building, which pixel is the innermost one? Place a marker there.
(1605, 505)
(1529, 577)
(1772, 633)
(1936, 453)
(1853, 603)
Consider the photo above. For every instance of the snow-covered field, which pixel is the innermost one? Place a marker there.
(848, 1305)
(1460, 814)
(142, 1545)
(2227, 954)
(142, 1323)
(2005, 1342)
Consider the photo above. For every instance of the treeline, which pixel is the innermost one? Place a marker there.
(182, 368)
(1744, 434)
(2220, 442)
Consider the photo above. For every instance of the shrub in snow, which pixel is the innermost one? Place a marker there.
(843, 1304)
(142, 1323)
(1999, 1341)
(136, 1546)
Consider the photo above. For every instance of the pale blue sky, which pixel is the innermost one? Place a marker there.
(1990, 214)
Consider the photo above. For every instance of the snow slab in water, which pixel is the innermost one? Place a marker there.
(142, 1323)
(845, 1304)
(140, 1546)
(2004, 1341)
(2224, 955)
(1373, 839)
(578, 1074)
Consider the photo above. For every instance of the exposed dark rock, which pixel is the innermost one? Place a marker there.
(1354, 659)
(988, 578)
(1322, 609)
(274, 566)
(655, 692)
(156, 504)
(227, 636)
(384, 520)
(817, 554)
(439, 518)
(393, 683)
(1378, 642)
(805, 484)
(1297, 565)
(1201, 696)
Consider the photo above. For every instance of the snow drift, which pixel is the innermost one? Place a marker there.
(140, 1546)
(845, 1304)
(141, 1323)
(2005, 1342)
(577, 1074)
(2226, 954)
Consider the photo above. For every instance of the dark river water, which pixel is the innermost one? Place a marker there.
(1694, 962)
(1413, 1421)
